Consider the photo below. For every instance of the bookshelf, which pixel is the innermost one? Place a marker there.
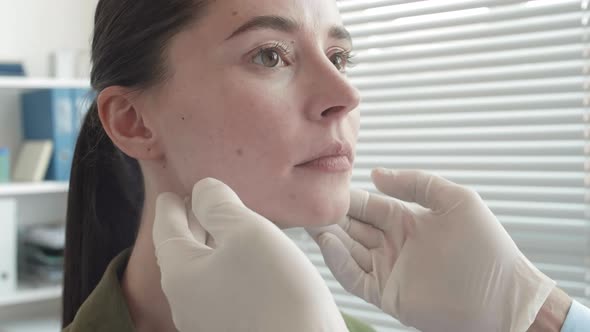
(42, 313)
(34, 83)
(36, 324)
(30, 308)
(27, 294)
(30, 31)
(34, 188)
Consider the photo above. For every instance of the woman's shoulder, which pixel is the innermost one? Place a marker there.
(105, 309)
(355, 325)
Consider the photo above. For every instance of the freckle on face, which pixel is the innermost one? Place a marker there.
(240, 152)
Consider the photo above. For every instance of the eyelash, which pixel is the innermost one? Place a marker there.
(283, 50)
(348, 58)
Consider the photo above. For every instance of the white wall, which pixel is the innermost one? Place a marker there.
(31, 29)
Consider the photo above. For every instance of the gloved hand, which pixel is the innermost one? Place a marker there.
(249, 277)
(445, 264)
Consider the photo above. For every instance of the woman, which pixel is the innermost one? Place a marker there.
(251, 92)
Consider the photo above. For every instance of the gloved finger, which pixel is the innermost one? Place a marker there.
(367, 235)
(199, 233)
(361, 255)
(344, 267)
(219, 209)
(171, 232)
(427, 189)
(316, 231)
(171, 219)
(380, 212)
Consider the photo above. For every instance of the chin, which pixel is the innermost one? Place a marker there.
(331, 212)
(316, 209)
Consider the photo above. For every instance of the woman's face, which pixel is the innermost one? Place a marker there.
(257, 93)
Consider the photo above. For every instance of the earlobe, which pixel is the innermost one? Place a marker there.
(123, 121)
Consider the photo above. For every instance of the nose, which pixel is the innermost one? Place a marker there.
(332, 96)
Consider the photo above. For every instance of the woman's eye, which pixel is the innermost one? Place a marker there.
(269, 58)
(339, 60)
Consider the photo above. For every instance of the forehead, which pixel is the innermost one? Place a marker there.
(222, 17)
(312, 15)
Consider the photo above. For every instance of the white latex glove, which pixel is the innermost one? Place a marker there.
(445, 264)
(253, 278)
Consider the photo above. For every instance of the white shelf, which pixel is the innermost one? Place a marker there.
(33, 188)
(28, 295)
(7, 82)
(32, 324)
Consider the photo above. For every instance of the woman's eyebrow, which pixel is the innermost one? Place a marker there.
(340, 33)
(266, 22)
(285, 25)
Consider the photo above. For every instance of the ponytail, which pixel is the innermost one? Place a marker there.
(106, 186)
(104, 208)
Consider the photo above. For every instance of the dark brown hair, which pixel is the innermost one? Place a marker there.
(106, 186)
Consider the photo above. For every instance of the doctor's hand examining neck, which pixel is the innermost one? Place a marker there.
(226, 268)
(432, 255)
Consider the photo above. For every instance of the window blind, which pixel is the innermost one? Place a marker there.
(490, 94)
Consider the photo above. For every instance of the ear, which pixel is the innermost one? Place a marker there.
(124, 123)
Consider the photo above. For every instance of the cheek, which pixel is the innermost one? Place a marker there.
(242, 138)
(262, 123)
(187, 148)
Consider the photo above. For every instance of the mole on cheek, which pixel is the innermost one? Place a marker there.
(234, 13)
(292, 196)
(240, 152)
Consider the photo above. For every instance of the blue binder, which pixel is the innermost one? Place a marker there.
(11, 69)
(53, 114)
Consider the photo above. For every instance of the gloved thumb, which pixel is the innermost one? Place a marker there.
(171, 220)
(219, 209)
(171, 232)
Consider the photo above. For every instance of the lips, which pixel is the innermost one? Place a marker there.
(336, 156)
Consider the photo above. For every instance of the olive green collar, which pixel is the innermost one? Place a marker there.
(105, 309)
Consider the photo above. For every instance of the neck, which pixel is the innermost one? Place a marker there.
(147, 303)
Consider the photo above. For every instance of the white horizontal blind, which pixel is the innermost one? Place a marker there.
(490, 94)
